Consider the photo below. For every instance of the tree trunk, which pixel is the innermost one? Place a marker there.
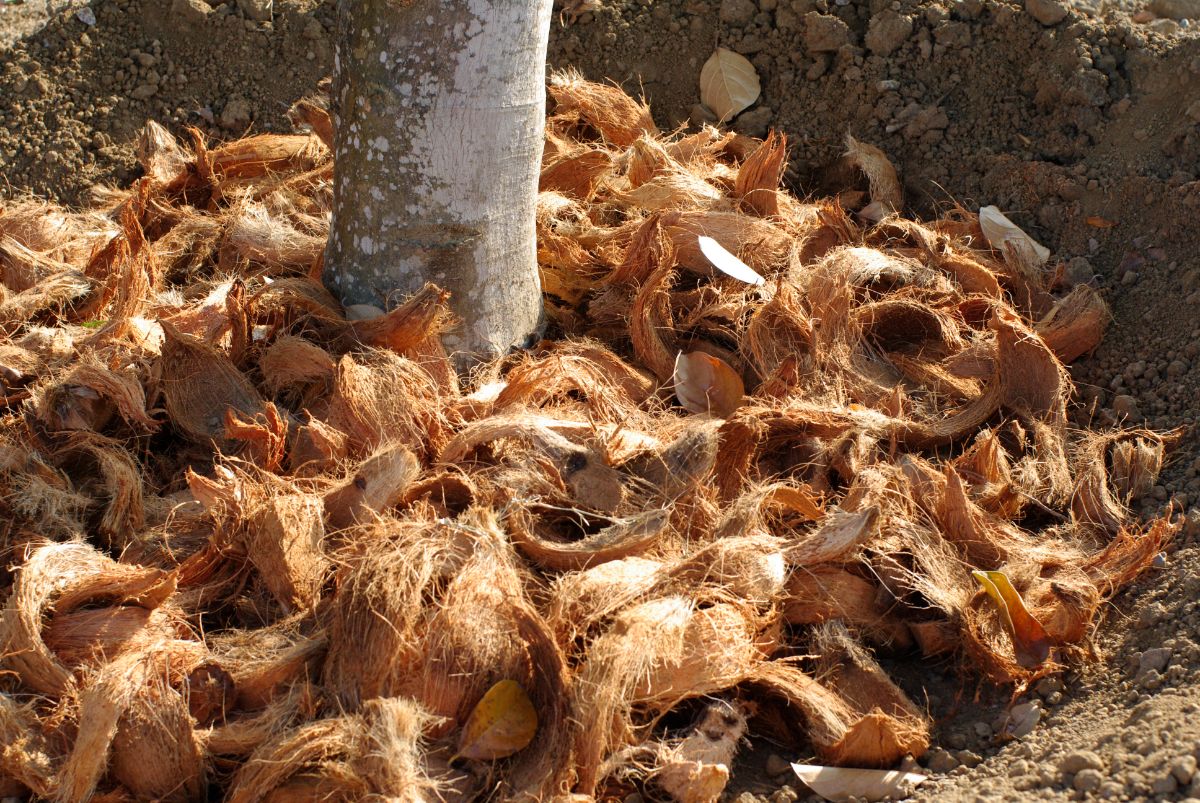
(440, 110)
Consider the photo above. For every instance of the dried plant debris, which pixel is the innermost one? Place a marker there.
(268, 548)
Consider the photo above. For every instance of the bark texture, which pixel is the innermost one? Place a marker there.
(439, 109)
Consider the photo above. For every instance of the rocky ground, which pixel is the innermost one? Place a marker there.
(1081, 121)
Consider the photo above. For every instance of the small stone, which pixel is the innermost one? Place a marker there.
(1047, 12)
(1048, 685)
(634, 797)
(968, 758)
(785, 794)
(737, 12)
(777, 765)
(1176, 9)
(257, 10)
(314, 30)
(1024, 718)
(236, 114)
(702, 114)
(1183, 768)
(982, 730)
(939, 760)
(754, 123)
(1164, 26)
(1164, 785)
(1079, 760)
(1110, 790)
(824, 33)
(1088, 780)
(1125, 406)
(191, 12)
(1155, 659)
(144, 91)
(887, 31)
(1078, 271)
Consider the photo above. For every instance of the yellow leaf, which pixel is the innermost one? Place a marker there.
(728, 84)
(1030, 642)
(704, 383)
(502, 722)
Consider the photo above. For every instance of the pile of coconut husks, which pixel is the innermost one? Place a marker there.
(262, 547)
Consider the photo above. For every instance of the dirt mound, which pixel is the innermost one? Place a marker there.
(1082, 130)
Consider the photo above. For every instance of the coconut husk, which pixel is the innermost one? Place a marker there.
(317, 448)
(88, 394)
(656, 654)
(199, 384)
(590, 482)
(381, 397)
(63, 577)
(758, 179)
(887, 197)
(268, 665)
(903, 422)
(160, 155)
(294, 364)
(259, 155)
(91, 637)
(130, 707)
(265, 436)
(22, 268)
(50, 230)
(406, 327)
(619, 540)
(892, 725)
(155, 752)
(376, 484)
(285, 546)
(107, 472)
(614, 115)
(576, 174)
(55, 292)
(254, 233)
(240, 736)
(314, 113)
(828, 593)
(759, 243)
(374, 753)
(1074, 325)
(26, 755)
(610, 386)
(375, 621)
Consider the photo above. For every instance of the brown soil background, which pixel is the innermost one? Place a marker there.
(1095, 117)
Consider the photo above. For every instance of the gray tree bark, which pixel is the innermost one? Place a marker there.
(439, 109)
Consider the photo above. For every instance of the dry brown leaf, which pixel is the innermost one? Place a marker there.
(704, 383)
(502, 722)
(728, 84)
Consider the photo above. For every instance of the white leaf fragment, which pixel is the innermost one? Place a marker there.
(841, 783)
(727, 263)
(1004, 235)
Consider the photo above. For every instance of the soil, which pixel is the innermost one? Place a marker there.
(1086, 131)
